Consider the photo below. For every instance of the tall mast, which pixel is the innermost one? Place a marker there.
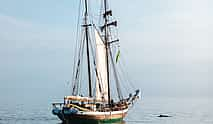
(86, 25)
(107, 47)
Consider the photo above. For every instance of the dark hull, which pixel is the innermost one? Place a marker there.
(88, 119)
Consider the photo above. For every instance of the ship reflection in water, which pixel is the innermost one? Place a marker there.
(122, 122)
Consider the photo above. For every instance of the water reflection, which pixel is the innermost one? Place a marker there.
(121, 122)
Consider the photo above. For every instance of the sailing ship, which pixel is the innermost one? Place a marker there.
(96, 102)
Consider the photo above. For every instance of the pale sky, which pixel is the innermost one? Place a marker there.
(166, 43)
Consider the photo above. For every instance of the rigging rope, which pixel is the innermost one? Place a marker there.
(76, 61)
(120, 96)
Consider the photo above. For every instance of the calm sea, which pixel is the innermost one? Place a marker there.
(145, 111)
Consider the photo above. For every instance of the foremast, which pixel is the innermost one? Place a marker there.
(106, 15)
(104, 67)
(107, 47)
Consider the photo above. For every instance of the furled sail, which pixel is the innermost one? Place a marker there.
(101, 64)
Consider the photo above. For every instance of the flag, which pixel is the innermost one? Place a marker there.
(118, 56)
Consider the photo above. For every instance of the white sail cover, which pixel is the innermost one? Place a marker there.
(101, 79)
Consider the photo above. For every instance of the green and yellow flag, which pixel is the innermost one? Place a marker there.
(118, 56)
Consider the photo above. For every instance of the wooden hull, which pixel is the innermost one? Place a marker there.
(93, 117)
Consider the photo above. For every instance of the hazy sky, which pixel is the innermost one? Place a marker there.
(166, 43)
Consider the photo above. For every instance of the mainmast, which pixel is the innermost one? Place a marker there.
(86, 25)
(107, 47)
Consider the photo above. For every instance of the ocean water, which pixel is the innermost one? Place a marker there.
(145, 111)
